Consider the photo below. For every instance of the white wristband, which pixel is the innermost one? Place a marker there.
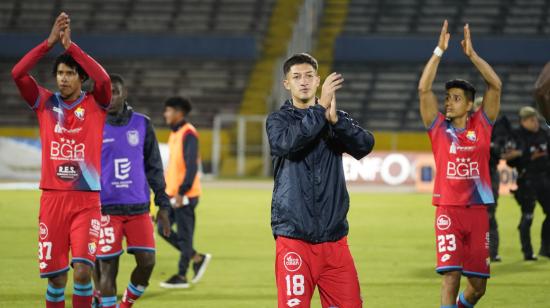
(438, 51)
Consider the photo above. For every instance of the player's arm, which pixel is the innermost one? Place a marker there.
(287, 138)
(153, 167)
(354, 139)
(102, 82)
(542, 92)
(491, 98)
(428, 100)
(191, 154)
(28, 87)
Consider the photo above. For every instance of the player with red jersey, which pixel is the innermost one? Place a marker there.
(460, 144)
(71, 127)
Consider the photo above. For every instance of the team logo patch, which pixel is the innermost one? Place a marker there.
(79, 113)
(133, 137)
(92, 247)
(43, 231)
(293, 302)
(105, 219)
(292, 261)
(443, 222)
(471, 135)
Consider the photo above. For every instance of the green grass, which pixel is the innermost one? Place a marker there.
(391, 239)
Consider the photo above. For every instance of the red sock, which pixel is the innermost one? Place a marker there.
(55, 297)
(55, 304)
(82, 301)
(131, 294)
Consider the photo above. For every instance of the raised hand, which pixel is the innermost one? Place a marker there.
(66, 37)
(467, 42)
(331, 114)
(332, 83)
(444, 36)
(61, 23)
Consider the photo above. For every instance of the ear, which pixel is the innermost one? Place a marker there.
(286, 84)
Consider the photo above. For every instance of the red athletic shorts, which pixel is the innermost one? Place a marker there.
(68, 220)
(300, 266)
(462, 240)
(138, 230)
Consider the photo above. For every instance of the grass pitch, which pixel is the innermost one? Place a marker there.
(391, 238)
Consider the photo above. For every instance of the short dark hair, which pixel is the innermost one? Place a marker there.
(179, 103)
(299, 58)
(70, 62)
(466, 86)
(116, 78)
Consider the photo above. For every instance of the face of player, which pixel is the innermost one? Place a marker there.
(302, 81)
(457, 104)
(531, 124)
(118, 97)
(172, 116)
(68, 82)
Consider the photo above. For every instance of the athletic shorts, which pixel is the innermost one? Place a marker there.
(300, 266)
(462, 240)
(68, 220)
(138, 230)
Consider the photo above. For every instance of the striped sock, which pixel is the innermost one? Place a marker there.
(55, 297)
(462, 302)
(108, 301)
(82, 295)
(131, 294)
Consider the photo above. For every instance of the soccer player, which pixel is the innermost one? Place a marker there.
(542, 92)
(310, 201)
(71, 127)
(460, 143)
(130, 166)
(183, 186)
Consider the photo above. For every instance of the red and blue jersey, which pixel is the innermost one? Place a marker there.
(71, 132)
(462, 161)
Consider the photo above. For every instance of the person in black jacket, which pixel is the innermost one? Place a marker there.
(131, 167)
(310, 201)
(532, 163)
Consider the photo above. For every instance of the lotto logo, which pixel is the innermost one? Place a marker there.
(292, 261)
(443, 222)
(43, 231)
(462, 168)
(67, 149)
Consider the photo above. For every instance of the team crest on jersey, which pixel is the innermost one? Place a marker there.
(443, 222)
(43, 229)
(133, 137)
(292, 261)
(471, 135)
(92, 247)
(79, 113)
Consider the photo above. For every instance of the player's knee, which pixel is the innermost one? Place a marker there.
(82, 273)
(59, 281)
(146, 261)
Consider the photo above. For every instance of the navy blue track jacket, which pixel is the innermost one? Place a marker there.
(310, 200)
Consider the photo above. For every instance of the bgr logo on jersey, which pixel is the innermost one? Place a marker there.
(462, 169)
(292, 261)
(443, 222)
(67, 149)
(122, 168)
(43, 231)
